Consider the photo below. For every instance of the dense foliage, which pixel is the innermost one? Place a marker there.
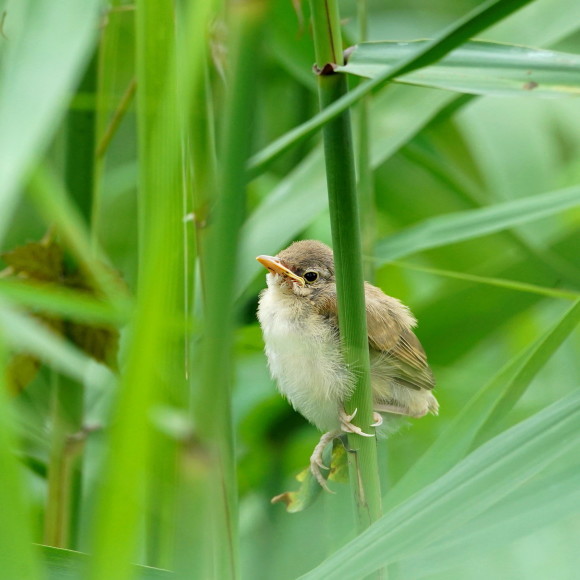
(140, 175)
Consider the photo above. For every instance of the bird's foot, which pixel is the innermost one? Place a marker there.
(348, 427)
(316, 463)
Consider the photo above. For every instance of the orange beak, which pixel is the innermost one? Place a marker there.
(274, 265)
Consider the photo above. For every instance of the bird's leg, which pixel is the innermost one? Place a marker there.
(400, 410)
(348, 427)
(316, 463)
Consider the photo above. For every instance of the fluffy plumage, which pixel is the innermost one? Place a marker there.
(299, 321)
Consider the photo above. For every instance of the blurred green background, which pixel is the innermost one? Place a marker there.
(434, 153)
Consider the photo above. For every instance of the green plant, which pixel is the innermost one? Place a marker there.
(160, 147)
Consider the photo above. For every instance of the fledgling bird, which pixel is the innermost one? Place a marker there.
(299, 318)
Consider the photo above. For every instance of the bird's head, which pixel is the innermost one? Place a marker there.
(305, 269)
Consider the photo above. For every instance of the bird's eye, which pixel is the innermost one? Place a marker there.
(311, 276)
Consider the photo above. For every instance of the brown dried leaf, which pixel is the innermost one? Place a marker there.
(36, 260)
(99, 342)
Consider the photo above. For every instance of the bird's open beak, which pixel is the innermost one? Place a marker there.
(274, 265)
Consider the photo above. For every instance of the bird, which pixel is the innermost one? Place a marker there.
(298, 315)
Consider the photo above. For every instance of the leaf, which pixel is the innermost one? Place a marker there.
(543, 502)
(467, 225)
(23, 332)
(53, 39)
(476, 484)
(479, 68)
(23, 367)
(99, 342)
(20, 371)
(484, 407)
(310, 490)
(36, 260)
(480, 18)
(499, 282)
(61, 301)
(42, 263)
(64, 564)
(300, 197)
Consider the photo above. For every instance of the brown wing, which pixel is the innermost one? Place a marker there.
(389, 325)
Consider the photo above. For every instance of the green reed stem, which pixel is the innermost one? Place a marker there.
(344, 216)
(213, 403)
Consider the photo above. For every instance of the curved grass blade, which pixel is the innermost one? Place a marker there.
(484, 407)
(466, 225)
(478, 19)
(53, 39)
(543, 502)
(61, 564)
(22, 332)
(60, 301)
(477, 68)
(499, 282)
(401, 114)
(479, 482)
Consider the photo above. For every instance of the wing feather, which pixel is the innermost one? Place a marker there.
(389, 324)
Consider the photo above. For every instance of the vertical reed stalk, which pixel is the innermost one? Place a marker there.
(364, 169)
(213, 401)
(153, 354)
(344, 215)
(67, 412)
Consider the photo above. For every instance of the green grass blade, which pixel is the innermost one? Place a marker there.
(154, 368)
(473, 486)
(485, 406)
(64, 564)
(152, 350)
(18, 558)
(61, 301)
(540, 503)
(479, 68)
(53, 202)
(479, 19)
(23, 333)
(301, 196)
(498, 282)
(212, 401)
(53, 39)
(467, 225)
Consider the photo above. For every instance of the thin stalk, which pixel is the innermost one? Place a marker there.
(118, 116)
(64, 476)
(108, 120)
(204, 161)
(365, 172)
(80, 148)
(344, 215)
(213, 403)
(67, 413)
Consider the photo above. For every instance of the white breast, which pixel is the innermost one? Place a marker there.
(304, 357)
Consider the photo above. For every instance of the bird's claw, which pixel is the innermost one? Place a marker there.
(315, 470)
(348, 427)
(316, 463)
(378, 419)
